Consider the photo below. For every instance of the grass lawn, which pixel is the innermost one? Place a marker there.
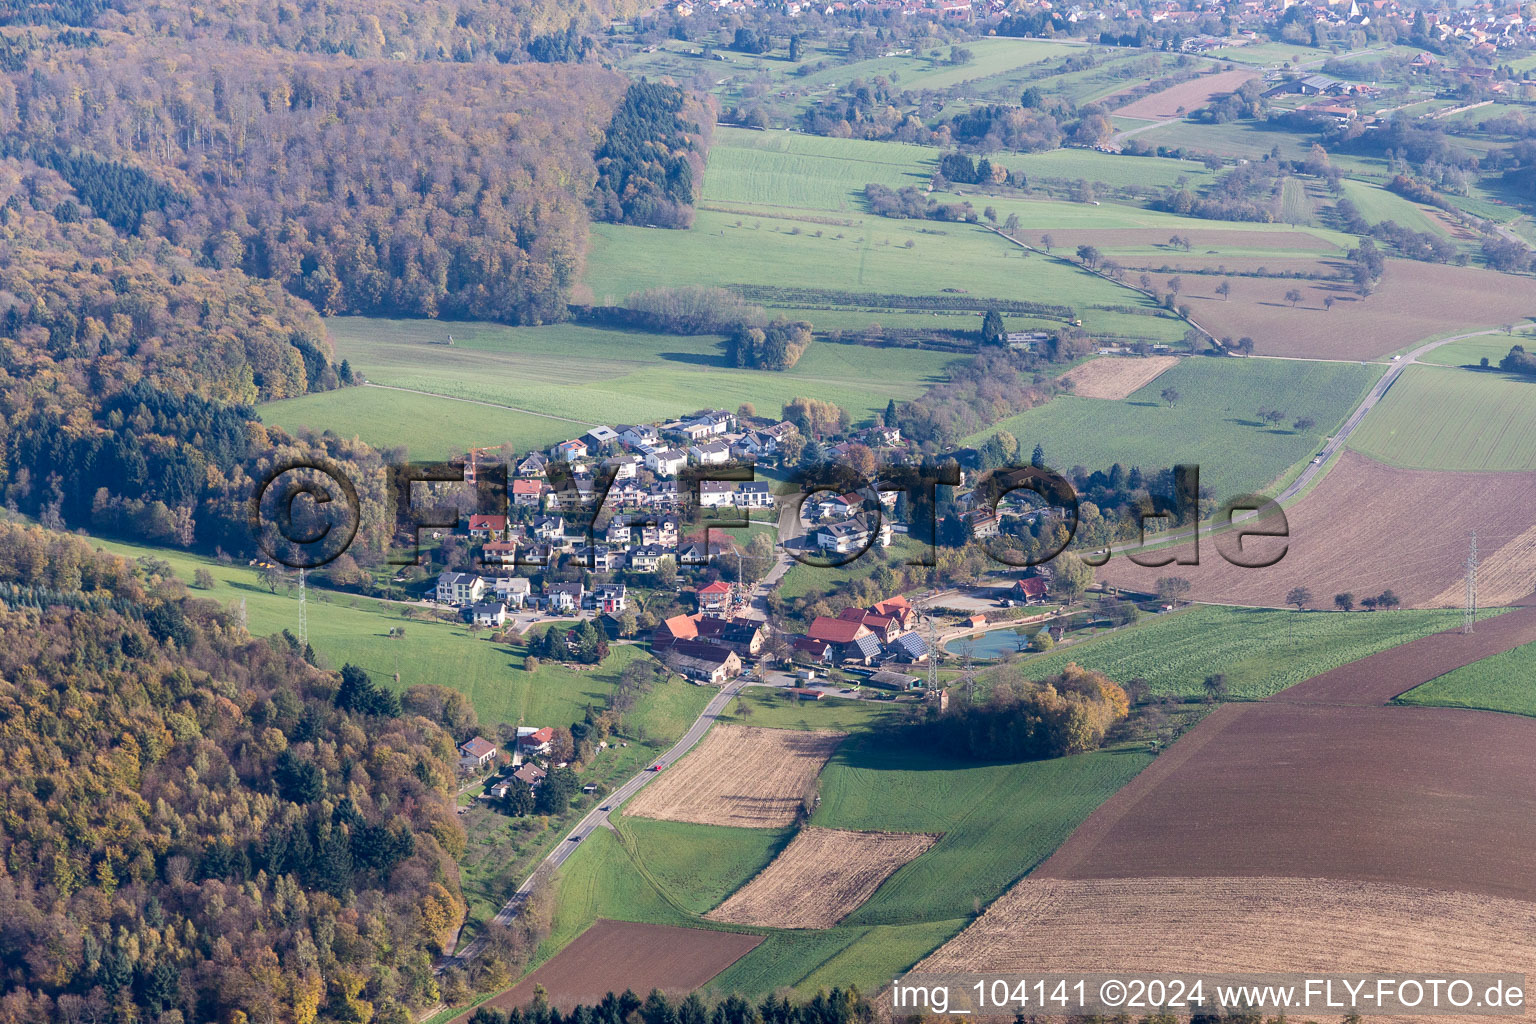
(1502, 682)
(427, 426)
(998, 821)
(1214, 423)
(344, 628)
(1109, 168)
(789, 169)
(1377, 204)
(802, 579)
(1261, 651)
(772, 708)
(1451, 418)
(1493, 347)
(870, 254)
(585, 374)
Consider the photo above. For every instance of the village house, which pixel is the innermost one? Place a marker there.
(667, 461)
(530, 775)
(513, 591)
(646, 557)
(459, 588)
(624, 466)
(527, 492)
(716, 494)
(1032, 590)
(610, 598)
(716, 598)
(550, 529)
(635, 435)
(712, 453)
(564, 597)
(534, 465)
(569, 451)
(499, 552)
(476, 753)
(703, 662)
(487, 527)
(599, 436)
(757, 494)
(492, 614)
(534, 741)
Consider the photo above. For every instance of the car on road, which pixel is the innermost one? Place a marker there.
(654, 768)
(606, 807)
(575, 839)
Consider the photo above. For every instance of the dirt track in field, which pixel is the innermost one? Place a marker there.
(820, 878)
(612, 956)
(742, 776)
(1222, 925)
(1366, 528)
(1184, 97)
(1117, 377)
(1413, 301)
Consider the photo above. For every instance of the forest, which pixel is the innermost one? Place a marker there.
(202, 825)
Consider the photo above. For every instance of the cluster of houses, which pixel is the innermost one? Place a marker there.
(527, 763)
(882, 633)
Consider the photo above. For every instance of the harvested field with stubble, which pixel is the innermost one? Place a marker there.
(612, 956)
(1414, 301)
(750, 778)
(1223, 925)
(1368, 527)
(1117, 377)
(1185, 96)
(820, 878)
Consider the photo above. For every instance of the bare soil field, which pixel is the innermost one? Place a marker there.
(1414, 300)
(1116, 377)
(1222, 925)
(612, 956)
(1209, 269)
(1366, 528)
(1503, 576)
(1436, 797)
(742, 776)
(1185, 96)
(821, 878)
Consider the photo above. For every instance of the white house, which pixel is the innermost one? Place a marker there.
(667, 462)
(636, 435)
(716, 493)
(513, 590)
(490, 613)
(711, 453)
(757, 494)
(460, 588)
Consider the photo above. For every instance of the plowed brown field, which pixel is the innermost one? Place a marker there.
(1116, 377)
(1365, 528)
(1184, 97)
(1436, 797)
(612, 956)
(821, 878)
(1414, 301)
(752, 778)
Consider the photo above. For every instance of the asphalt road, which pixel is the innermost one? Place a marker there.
(598, 817)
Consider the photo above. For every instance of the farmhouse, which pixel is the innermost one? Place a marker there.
(534, 741)
(703, 662)
(476, 753)
(1030, 591)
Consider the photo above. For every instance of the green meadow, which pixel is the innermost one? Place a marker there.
(565, 377)
(345, 628)
(1453, 418)
(1502, 682)
(1261, 651)
(1214, 422)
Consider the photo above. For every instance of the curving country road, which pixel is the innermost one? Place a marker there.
(598, 817)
